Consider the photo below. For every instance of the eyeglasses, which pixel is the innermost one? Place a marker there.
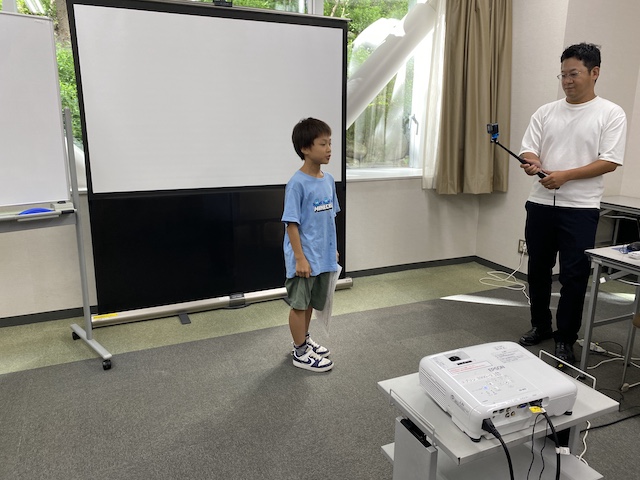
(572, 75)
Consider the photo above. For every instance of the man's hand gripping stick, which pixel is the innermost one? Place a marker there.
(492, 129)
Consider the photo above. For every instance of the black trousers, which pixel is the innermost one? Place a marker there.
(566, 233)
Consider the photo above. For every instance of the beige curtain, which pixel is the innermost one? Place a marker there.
(432, 115)
(477, 91)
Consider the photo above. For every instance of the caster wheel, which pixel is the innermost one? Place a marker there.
(75, 336)
(106, 364)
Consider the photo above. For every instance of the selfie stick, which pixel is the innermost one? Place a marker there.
(492, 129)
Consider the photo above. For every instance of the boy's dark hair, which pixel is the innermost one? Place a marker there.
(588, 53)
(306, 131)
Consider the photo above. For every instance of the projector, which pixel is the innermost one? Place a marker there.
(497, 381)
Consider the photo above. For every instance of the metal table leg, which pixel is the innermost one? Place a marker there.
(590, 314)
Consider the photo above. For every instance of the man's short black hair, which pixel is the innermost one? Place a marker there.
(588, 53)
(306, 131)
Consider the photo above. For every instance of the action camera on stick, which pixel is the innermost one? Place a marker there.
(494, 131)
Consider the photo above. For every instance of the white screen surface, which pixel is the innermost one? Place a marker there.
(175, 101)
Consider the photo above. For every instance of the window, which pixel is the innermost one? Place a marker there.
(379, 136)
(297, 6)
(386, 137)
(388, 70)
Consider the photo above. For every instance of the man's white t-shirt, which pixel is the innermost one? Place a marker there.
(566, 136)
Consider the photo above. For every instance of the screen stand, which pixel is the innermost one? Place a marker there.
(86, 333)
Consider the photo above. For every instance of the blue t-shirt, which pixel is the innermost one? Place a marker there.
(312, 203)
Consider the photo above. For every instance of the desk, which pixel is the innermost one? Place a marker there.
(620, 204)
(609, 257)
(406, 394)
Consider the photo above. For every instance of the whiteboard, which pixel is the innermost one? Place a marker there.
(210, 105)
(33, 166)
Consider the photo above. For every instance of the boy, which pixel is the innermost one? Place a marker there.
(310, 251)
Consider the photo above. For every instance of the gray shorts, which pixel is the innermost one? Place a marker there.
(305, 292)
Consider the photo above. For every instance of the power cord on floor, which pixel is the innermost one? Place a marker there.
(597, 348)
(584, 443)
(589, 429)
(506, 280)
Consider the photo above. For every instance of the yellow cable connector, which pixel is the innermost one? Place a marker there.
(536, 409)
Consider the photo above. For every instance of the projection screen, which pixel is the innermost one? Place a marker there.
(174, 101)
(187, 111)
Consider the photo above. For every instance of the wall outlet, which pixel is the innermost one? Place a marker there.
(522, 246)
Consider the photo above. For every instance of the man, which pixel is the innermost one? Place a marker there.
(574, 141)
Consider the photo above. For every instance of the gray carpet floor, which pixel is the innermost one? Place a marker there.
(234, 407)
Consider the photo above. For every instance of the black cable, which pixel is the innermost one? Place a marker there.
(617, 392)
(610, 423)
(536, 407)
(533, 454)
(544, 444)
(629, 408)
(488, 426)
(555, 439)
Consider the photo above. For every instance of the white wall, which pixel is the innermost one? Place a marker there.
(631, 179)
(395, 222)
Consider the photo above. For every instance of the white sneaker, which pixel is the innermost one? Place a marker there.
(311, 361)
(317, 348)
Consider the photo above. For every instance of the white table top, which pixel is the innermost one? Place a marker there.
(621, 203)
(612, 256)
(409, 397)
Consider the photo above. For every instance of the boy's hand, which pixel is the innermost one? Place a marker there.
(303, 269)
